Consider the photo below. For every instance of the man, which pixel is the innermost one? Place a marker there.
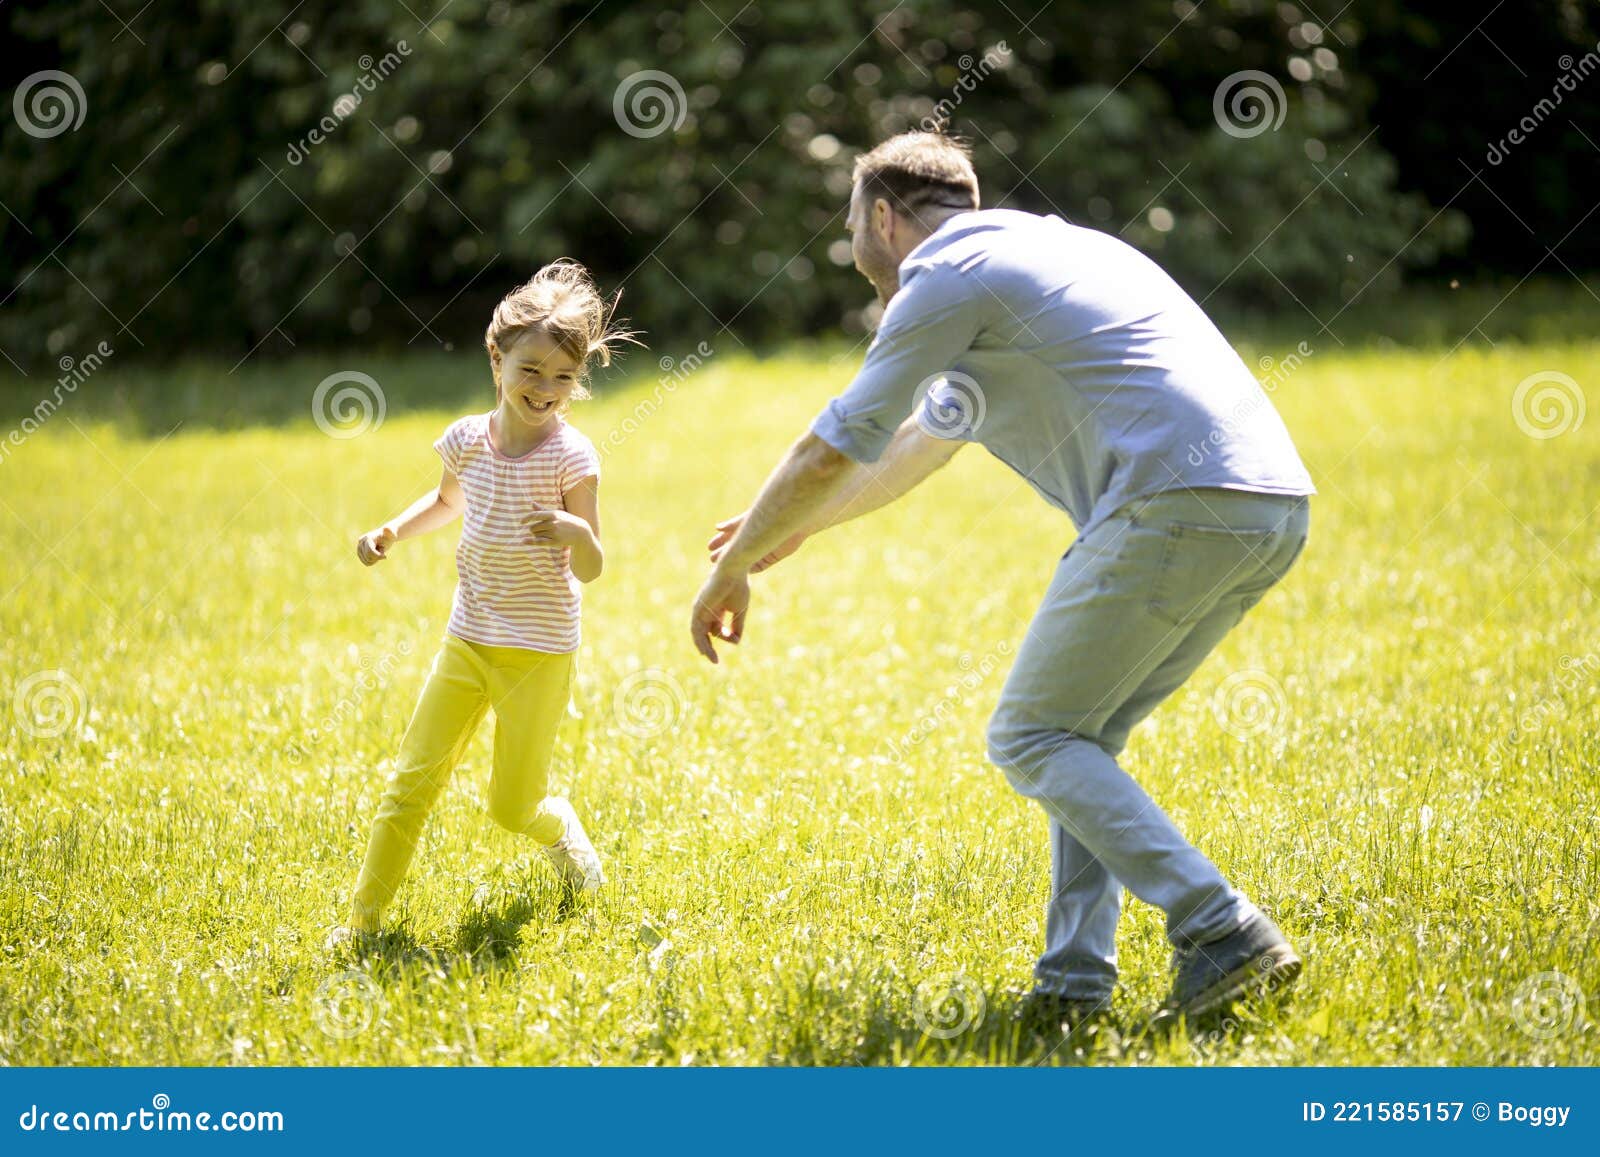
(1080, 364)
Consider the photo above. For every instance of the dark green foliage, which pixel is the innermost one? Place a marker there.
(193, 210)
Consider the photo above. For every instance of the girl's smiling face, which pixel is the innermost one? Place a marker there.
(535, 377)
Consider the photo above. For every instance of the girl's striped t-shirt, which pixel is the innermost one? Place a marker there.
(513, 592)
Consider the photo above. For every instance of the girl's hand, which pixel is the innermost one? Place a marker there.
(373, 547)
(556, 528)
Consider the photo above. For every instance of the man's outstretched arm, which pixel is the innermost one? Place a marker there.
(929, 324)
(912, 455)
(807, 477)
(803, 486)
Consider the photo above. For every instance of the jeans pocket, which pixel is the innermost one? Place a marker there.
(1279, 571)
(1200, 565)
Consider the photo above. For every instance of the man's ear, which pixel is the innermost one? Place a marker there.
(883, 219)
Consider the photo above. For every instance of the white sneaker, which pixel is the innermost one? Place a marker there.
(346, 938)
(573, 856)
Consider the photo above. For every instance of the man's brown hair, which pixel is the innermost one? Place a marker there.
(917, 171)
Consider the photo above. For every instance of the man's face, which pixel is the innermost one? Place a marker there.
(874, 259)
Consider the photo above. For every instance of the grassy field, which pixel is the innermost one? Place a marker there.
(812, 862)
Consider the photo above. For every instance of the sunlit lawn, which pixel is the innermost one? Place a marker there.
(201, 688)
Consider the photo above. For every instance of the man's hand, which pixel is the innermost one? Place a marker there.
(724, 596)
(788, 505)
(729, 527)
(373, 546)
(556, 528)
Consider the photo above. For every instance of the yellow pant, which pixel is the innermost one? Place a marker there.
(529, 692)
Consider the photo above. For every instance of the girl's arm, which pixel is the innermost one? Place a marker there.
(433, 510)
(576, 527)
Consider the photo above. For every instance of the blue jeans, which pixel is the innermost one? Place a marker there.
(1135, 606)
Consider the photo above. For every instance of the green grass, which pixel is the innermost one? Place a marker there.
(234, 682)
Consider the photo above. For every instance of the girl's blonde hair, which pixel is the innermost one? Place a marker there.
(562, 300)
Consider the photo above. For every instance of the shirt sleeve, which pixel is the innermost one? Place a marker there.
(927, 326)
(578, 461)
(449, 447)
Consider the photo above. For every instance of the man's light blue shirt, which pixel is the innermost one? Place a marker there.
(1074, 359)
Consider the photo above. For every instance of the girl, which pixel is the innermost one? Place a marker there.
(527, 483)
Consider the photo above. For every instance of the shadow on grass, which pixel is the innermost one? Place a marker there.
(485, 939)
(1001, 1029)
(339, 392)
(1011, 1030)
(149, 399)
(491, 934)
